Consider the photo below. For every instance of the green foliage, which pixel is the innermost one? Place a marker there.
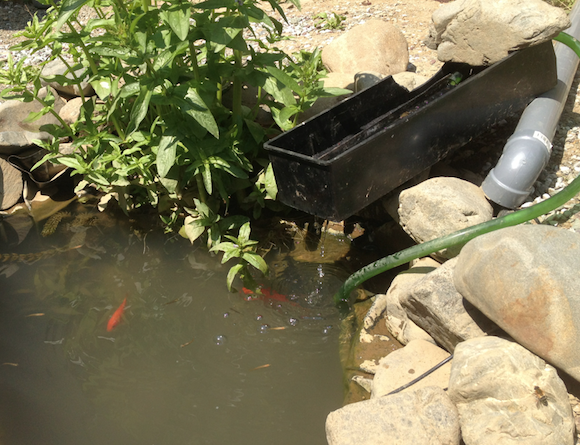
(242, 248)
(329, 20)
(159, 131)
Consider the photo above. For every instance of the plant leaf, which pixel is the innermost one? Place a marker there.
(177, 17)
(233, 272)
(166, 155)
(140, 108)
(256, 260)
(67, 8)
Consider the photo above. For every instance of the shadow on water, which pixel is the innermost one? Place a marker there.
(190, 363)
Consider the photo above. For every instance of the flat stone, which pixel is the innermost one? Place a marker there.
(526, 279)
(422, 417)
(403, 365)
(498, 387)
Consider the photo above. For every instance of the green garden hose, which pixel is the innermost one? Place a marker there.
(461, 237)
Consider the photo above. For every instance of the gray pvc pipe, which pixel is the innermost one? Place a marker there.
(528, 150)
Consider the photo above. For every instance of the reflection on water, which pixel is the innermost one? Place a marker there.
(189, 363)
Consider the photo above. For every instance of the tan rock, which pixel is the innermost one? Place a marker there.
(373, 46)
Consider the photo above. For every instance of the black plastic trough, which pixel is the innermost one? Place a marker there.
(340, 161)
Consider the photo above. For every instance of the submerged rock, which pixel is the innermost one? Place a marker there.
(526, 279)
(484, 32)
(423, 417)
(507, 395)
(373, 46)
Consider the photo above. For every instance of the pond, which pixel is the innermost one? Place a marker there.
(189, 363)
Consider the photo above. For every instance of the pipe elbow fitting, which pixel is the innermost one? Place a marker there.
(525, 155)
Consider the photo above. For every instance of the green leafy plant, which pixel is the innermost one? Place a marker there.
(241, 247)
(167, 127)
(329, 20)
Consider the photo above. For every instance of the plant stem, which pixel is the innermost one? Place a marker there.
(237, 88)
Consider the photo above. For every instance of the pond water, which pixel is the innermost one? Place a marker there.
(189, 363)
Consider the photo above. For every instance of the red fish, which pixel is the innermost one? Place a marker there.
(116, 317)
(267, 294)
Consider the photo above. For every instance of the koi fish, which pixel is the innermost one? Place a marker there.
(116, 317)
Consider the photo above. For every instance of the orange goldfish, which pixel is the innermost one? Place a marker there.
(267, 294)
(116, 317)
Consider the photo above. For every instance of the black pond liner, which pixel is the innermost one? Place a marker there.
(342, 160)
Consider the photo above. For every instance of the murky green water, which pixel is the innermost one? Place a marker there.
(190, 363)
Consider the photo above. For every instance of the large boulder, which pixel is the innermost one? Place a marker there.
(482, 32)
(440, 206)
(423, 417)
(373, 46)
(526, 279)
(507, 395)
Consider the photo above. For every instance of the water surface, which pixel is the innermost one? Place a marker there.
(190, 363)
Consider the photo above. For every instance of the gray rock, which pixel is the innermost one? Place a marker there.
(423, 417)
(493, 385)
(11, 185)
(58, 68)
(526, 279)
(483, 32)
(366, 79)
(440, 206)
(16, 135)
(436, 306)
(403, 365)
(387, 307)
(373, 46)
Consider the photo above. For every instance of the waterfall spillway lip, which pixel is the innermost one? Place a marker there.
(528, 150)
